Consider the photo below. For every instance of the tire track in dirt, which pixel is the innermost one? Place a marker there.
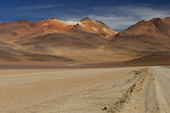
(151, 102)
(140, 97)
(162, 81)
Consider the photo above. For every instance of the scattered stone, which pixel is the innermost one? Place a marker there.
(105, 108)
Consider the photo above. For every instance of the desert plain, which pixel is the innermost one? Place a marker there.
(88, 90)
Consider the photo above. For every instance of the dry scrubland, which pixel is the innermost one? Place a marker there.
(97, 90)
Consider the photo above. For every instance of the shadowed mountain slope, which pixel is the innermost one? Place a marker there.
(73, 37)
(23, 56)
(156, 28)
(153, 35)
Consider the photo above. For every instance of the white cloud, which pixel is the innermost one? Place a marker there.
(41, 6)
(114, 22)
(121, 17)
(23, 8)
(71, 22)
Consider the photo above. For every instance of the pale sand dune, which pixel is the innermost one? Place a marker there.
(102, 90)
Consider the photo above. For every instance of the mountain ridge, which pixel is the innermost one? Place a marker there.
(24, 28)
(86, 40)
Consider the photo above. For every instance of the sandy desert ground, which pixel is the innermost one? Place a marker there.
(95, 90)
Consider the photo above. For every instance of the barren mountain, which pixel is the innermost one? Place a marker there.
(87, 40)
(11, 31)
(73, 37)
(156, 28)
(97, 27)
(153, 35)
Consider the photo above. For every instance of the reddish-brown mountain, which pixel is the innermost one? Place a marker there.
(156, 28)
(153, 35)
(97, 27)
(76, 37)
(87, 40)
(10, 31)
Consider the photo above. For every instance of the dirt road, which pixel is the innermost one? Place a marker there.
(149, 94)
(124, 90)
(162, 83)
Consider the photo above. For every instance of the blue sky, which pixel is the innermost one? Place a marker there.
(117, 14)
